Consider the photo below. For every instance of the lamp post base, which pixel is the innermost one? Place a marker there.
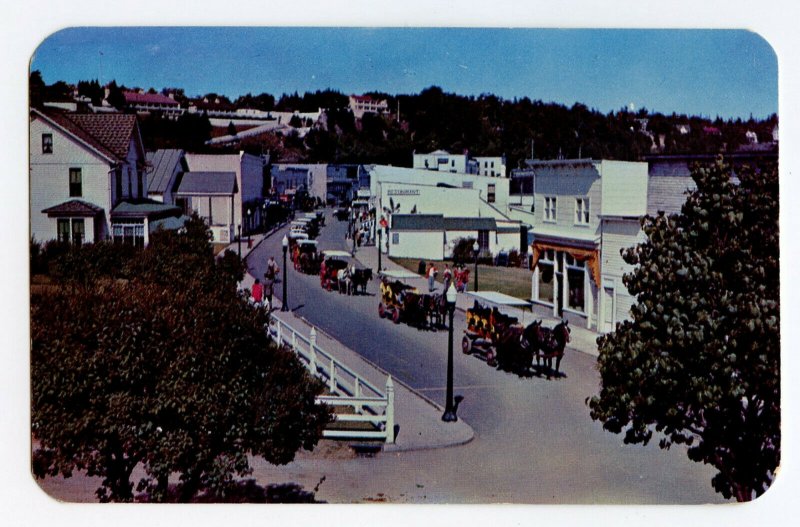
(449, 416)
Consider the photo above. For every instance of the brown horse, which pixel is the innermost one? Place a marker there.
(547, 343)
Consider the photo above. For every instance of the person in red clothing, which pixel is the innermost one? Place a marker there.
(257, 293)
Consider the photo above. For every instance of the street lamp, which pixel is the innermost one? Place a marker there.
(380, 230)
(239, 239)
(449, 409)
(249, 229)
(285, 302)
(476, 248)
(264, 216)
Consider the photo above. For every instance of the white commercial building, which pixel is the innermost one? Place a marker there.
(584, 212)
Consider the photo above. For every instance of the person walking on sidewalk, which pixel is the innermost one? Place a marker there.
(431, 277)
(269, 278)
(257, 293)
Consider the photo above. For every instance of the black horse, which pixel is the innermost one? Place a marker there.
(360, 277)
(547, 343)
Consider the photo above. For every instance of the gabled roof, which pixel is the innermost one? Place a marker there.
(208, 183)
(73, 207)
(164, 163)
(109, 134)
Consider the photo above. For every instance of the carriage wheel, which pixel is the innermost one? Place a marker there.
(396, 316)
(491, 359)
(328, 285)
(466, 345)
(381, 310)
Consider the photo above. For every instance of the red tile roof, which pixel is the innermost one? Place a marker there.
(108, 133)
(132, 97)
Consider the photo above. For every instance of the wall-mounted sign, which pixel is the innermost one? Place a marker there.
(402, 192)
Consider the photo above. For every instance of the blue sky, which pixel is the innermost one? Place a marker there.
(730, 73)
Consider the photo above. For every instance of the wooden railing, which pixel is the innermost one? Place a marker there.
(357, 400)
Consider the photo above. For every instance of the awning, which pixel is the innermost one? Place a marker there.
(590, 256)
(502, 299)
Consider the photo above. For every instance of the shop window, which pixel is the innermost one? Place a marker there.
(546, 282)
(575, 289)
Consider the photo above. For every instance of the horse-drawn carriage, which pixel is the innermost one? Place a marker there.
(404, 302)
(333, 270)
(502, 341)
(306, 259)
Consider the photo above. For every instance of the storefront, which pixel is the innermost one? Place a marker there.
(565, 281)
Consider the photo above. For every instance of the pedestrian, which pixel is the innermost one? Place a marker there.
(431, 277)
(269, 278)
(447, 276)
(257, 293)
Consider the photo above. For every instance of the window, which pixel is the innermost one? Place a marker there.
(575, 277)
(466, 184)
(128, 233)
(546, 277)
(453, 163)
(47, 143)
(395, 238)
(490, 194)
(75, 183)
(78, 231)
(63, 231)
(71, 231)
(582, 211)
(550, 208)
(483, 241)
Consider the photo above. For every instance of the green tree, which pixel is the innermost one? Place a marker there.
(699, 363)
(169, 370)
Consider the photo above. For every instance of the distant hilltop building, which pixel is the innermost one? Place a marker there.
(443, 161)
(150, 102)
(361, 104)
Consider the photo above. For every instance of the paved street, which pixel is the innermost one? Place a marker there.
(534, 441)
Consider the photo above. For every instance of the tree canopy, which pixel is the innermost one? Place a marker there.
(699, 363)
(159, 363)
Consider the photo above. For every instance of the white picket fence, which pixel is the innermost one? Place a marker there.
(365, 402)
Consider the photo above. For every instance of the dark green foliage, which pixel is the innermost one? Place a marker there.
(115, 96)
(36, 87)
(92, 90)
(462, 252)
(699, 363)
(169, 370)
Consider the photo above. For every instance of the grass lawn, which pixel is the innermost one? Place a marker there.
(512, 281)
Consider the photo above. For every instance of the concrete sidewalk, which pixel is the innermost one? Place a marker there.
(419, 418)
(582, 339)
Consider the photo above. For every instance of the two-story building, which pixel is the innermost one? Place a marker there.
(443, 161)
(584, 213)
(251, 174)
(361, 104)
(88, 179)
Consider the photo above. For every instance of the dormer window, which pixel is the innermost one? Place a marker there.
(47, 143)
